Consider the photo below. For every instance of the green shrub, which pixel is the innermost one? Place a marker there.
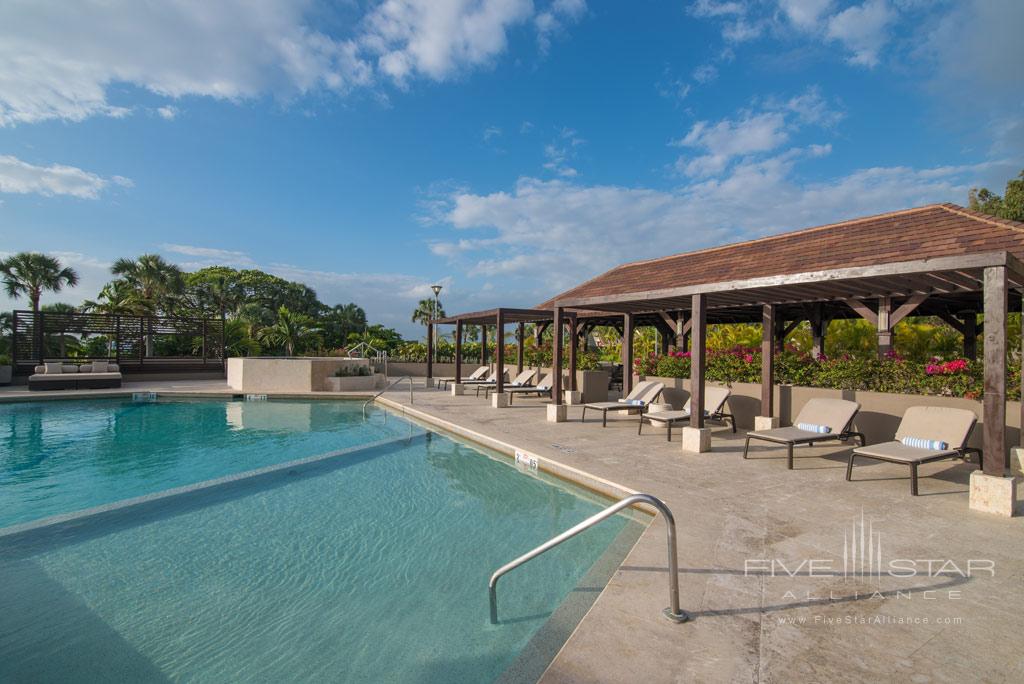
(348, 371)
(5, 360)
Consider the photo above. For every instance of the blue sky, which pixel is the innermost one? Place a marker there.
(505, 148)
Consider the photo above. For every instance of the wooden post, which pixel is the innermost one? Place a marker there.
(994, 407)
(483, 344)
(970, 333)
(768, 361)
(430, 353)
(40, 339)
(698, 363)
(819, 326)
(572, 354)
(556, 357)
(521, 336)
(458, 352)
(627, 354)
(683, 325)
(884, 326)
(499, 336)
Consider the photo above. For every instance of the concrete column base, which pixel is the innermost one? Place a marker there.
(766, 422)
(993, 494)
(458, 389)
(573, 398)
(697, 440)
(557, 413)
(499, 400)
(1017, 461)
(429, 383)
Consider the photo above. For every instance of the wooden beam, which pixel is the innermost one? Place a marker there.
(970, 332)
(572, 355)
(767, 360)
(430, 351)
(521, 337)
(952, 321)
(698, 360)
(499, 336)
(884, 326)
(994, 404)
(458, 352)
(906, 308)
(556, 357)
(627, 354)
(669, 320)
(483, 345)
(819, 328)
(864, 311)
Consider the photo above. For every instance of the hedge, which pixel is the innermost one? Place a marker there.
(951, 378)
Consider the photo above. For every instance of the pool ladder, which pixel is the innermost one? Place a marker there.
(392, 384)
(673, 612)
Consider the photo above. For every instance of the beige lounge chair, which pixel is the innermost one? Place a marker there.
(823, 420)
(714, 403)
(524, 379)
(542, 389)
(643, 394)
(926, 434)
(475, 375)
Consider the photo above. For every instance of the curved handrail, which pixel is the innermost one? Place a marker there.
(673, 612)
(396, 381)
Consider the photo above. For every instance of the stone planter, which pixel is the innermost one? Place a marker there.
(352, 383)
(5, 374)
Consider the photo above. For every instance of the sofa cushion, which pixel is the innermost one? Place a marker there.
(53, 367)
(99, 367)
(69, 368)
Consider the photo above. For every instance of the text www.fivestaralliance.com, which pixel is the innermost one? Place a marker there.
(841, 620)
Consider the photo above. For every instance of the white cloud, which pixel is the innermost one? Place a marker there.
(550, 235)
(209, 256)
(561, 152)
(705, 73)
(863, 29)
(491, 132)
(713, 8)
(731, 138)
(805, 14)
(60, 60)
(19, 177)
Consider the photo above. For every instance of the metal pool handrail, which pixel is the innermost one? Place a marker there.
(398, 380)
(673, 612)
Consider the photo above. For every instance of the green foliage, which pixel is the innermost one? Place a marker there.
(5, 360)
(1009, 206)
(424, 311)
(349, 371)
(29, 274)
(292, 332)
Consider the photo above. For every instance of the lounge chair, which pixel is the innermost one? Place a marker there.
(543, 388)
(820, 420)
(715, 410)
(926, 434)
(490, 379)
(476, 375)
(522, 380)
(58, 376)
(642, 395)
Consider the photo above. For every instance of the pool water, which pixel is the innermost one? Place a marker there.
(63, 456)
(369, 566)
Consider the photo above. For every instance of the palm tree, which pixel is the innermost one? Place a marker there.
(153, 279)
(425, 312)
(118, 298)
(29, 273)
(291, 331)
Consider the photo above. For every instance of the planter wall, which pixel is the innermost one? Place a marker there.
(5, 374)
(354, 383)
(879, 415)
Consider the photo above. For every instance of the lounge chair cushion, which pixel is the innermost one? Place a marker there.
(937, 423)
(897, 451)
(53, 368)
(835, 414)
(714, 400)
(817, 429)
(785, 435)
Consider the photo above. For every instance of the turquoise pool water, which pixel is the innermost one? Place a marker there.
(63, 456)
(370, 566)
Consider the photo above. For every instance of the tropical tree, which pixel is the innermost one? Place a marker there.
(118, 298)
(154, 281)
(426, 310)
(29, 274)
(341, 320)
(1009, 206)
(291, 331)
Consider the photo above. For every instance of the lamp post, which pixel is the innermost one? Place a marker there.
(437, 307)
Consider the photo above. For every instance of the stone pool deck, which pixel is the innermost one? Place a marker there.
(761, 557)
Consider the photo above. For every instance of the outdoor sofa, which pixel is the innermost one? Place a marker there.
(925, 434)
(714, 401)
(820, 420)
(642, 395)
(64, 376)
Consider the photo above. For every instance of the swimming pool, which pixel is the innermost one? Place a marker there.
(370, 565)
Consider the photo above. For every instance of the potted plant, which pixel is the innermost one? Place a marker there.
(5, 369)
